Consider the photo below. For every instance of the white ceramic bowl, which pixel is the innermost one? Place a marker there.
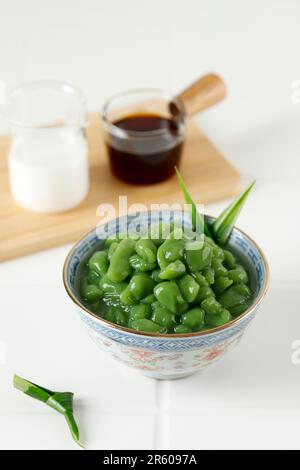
(164, 356)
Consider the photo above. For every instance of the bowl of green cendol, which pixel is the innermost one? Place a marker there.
(160, 298)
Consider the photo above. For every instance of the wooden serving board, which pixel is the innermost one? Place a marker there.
(208, 175)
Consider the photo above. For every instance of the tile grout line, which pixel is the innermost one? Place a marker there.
(162, 418)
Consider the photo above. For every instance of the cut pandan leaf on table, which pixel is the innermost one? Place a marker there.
(223, 225)
(60, 401)
(198, 221)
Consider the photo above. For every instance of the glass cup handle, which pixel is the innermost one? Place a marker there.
(203, 93)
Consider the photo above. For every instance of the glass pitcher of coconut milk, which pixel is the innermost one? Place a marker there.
(48, 157)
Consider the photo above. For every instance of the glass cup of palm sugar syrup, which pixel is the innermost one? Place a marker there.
(145, 131)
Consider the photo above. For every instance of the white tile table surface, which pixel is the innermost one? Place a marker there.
(252, 398)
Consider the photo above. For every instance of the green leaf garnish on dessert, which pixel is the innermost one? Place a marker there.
(224, 223)
(222, 227)
(198, 221)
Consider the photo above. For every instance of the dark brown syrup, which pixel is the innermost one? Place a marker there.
(147, 151)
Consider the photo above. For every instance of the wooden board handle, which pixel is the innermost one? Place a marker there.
(203, 93)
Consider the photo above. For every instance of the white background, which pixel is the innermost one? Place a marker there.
(251, 399)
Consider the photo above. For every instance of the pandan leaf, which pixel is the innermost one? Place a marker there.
(198, 221)
(59, 401)
(223, 225)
